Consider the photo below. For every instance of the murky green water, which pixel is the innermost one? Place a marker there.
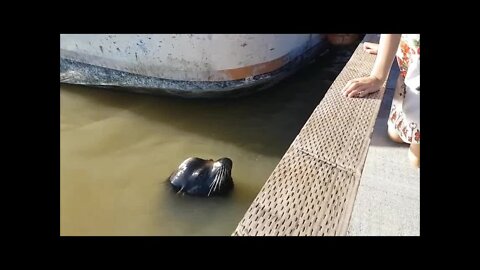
(117, 149)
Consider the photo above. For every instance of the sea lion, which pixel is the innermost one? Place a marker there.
(201, 177)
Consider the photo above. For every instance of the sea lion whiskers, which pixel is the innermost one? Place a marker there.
(211, 186)
(219, 177)
(217, 181)
(180, 190)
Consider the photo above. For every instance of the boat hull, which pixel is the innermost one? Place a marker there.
(185, 65)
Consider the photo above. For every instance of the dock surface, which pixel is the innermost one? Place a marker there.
(312, 190)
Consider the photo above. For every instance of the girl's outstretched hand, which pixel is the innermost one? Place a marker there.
(361, 87)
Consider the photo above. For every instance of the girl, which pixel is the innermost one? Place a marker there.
(404, 119)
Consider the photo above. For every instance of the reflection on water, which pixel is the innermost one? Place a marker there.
(117, 150)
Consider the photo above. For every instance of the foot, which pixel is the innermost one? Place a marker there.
(414, 154)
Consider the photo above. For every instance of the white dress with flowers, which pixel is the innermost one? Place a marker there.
(405, 110)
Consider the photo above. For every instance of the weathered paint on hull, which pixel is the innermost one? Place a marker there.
(191, 68)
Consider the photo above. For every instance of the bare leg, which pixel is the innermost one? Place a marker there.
(393, 135)
(414, 154)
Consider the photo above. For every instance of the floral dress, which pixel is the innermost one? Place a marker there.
(405, 111)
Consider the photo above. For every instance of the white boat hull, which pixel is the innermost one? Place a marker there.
(190, 65)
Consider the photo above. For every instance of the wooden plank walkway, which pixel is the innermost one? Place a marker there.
(313, 188)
